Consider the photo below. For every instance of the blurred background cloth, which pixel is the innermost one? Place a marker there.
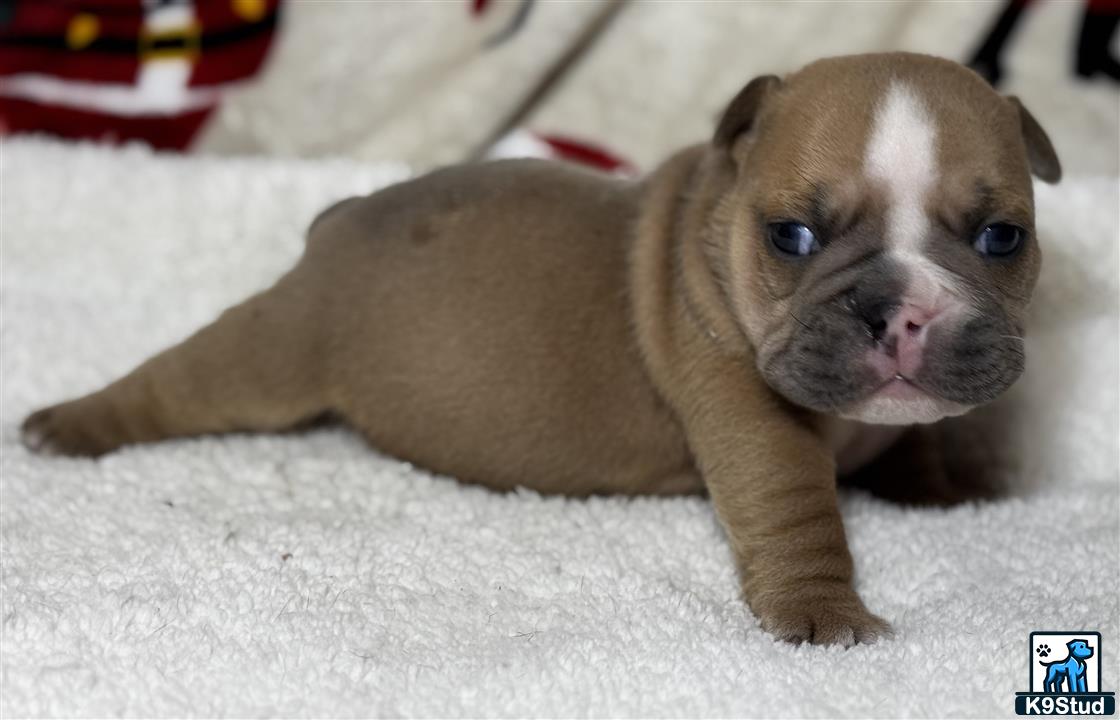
(615, 84)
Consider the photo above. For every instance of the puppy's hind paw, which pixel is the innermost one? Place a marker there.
(62, 430)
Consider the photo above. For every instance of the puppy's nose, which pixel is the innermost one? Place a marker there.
(900, 332)
(876, 316)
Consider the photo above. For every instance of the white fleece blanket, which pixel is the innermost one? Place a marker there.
(307, 575)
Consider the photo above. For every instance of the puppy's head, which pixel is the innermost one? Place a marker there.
(878, 234)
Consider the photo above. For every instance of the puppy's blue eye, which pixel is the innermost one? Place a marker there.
(999, 240)
(793, 238)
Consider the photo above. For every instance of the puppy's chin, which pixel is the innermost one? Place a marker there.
(907, 406)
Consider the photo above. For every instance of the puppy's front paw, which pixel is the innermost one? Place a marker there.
(823, 621)
(65, 429)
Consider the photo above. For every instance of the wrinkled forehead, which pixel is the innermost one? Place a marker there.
(928, 134)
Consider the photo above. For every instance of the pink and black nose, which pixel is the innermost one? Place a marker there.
(900, 331)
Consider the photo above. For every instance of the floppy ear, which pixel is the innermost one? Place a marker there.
(743, 109)
(1040, 153)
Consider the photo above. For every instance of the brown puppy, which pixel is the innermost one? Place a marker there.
(852, 253)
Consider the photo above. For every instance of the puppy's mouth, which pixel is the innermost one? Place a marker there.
(900, 400)
(900, 387)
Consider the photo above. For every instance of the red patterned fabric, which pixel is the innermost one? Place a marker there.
(584, 153)
(127, 69)
(164, 133)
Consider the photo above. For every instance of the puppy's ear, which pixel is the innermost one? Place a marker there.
(1040, 153)
(743, 109)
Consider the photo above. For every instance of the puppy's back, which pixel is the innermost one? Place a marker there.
(488, 304)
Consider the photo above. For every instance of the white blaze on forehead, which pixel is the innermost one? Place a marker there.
(901, 157)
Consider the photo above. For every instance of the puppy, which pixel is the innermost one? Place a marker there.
(851, 254)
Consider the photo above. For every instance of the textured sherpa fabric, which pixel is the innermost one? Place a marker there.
(307, 575)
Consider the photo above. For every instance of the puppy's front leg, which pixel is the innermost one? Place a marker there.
(773, 485)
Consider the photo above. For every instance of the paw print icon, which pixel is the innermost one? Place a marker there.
(1043, 650)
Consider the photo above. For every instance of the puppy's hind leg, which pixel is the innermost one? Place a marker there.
(258, 367)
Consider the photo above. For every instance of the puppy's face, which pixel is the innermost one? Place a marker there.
(882, 249)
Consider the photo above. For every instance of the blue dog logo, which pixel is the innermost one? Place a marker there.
(1070, 671)
(1067, 686)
